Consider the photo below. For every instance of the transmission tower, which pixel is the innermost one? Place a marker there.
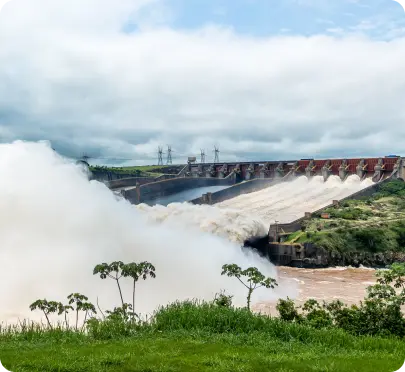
(160, 156)
(202, 156)
(169, 155)
(85, 158)
(216, 150)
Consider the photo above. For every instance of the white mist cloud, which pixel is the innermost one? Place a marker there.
(71, 75)
(55, 226)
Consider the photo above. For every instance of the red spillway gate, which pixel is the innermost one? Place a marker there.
(352, 164)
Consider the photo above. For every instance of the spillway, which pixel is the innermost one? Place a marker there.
(251, 214)
(288, 201)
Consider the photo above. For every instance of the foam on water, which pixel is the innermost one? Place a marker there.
(251, 214)
(289, 201)
(55, 226)
(233, 225)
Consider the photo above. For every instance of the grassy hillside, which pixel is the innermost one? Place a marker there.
(373, 224)
(141, 170)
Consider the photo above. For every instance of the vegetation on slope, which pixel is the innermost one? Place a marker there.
(139, 171)
(215, 336)
(375, 224)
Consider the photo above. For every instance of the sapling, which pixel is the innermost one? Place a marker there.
(64, 309)
(113, 271)
(255, 279)
(136, 271)
(47, 307)
(81, 305)
(89, 309)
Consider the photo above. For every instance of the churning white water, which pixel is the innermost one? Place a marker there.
(233, 225)
(55, 226)
(251, 214)
(286, 202)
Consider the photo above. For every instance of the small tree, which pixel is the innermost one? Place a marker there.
(136, 271)
(89, 309)
(47, 307)
(113, 271)
(255, 279)
(81, 305)
(64, 309)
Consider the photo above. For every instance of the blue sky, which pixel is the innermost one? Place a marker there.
(378, 19)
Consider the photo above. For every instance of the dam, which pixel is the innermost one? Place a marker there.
(319, 182)
(238, 210)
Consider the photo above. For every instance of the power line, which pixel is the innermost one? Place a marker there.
(169, 155)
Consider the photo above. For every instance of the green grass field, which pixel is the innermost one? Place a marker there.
(186, 337)
(188, 351)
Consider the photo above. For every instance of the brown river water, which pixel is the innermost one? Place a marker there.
(342, 283)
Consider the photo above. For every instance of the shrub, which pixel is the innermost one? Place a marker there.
(288, 311)
(378, 315)
(221, 299)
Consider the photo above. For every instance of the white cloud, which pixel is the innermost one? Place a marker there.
(69, 74)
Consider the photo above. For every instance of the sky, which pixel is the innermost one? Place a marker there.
(260, 79)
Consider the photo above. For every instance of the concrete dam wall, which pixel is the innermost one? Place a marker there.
(155, 190)
(233, 191)
(129, 182)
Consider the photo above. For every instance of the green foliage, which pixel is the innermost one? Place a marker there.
(113, 271)
(136, 271)
(47, 307)
(82, 304)
(222, 299)
(288, 311)
(316, 315)
(117, 324)
(347, 212)
(394, 187)
(255, 279)
(390, 238)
